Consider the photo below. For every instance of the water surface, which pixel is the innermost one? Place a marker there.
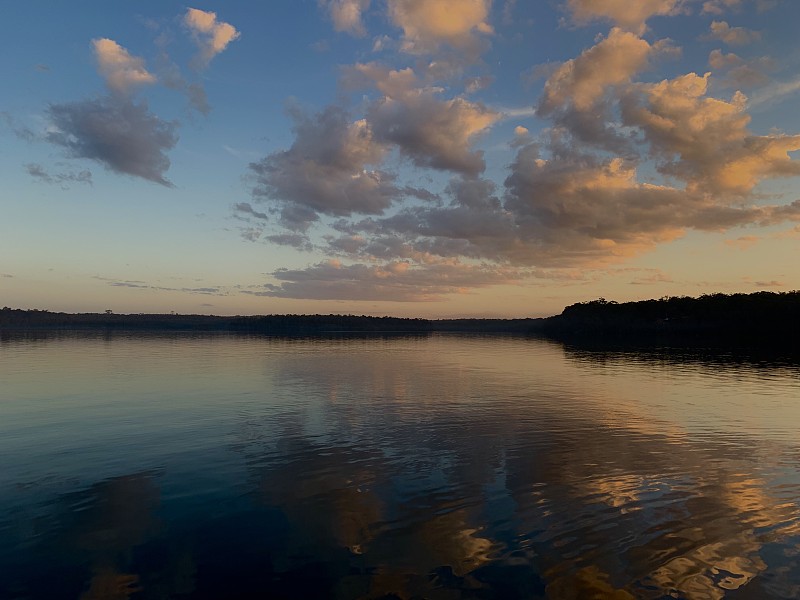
(445, 466)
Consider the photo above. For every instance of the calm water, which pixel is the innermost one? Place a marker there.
(431, 467)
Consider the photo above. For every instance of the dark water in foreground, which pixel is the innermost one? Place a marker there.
(434, 467)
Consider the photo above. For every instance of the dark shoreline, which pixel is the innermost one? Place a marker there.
(761, 319)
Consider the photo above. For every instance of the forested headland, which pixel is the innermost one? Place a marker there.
(760, 317)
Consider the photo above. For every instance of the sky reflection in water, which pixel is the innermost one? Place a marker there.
(437, 467)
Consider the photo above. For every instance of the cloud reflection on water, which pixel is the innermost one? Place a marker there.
(442, 468)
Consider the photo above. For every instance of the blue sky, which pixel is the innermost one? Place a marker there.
(437, 158)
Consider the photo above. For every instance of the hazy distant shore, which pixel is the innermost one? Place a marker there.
(758, 318)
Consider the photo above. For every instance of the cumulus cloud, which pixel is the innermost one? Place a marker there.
(704, 141)
(431, 131)
(719, 60)
(346, 15)
(211, 35)
(581, 94)
(428, 24)
(121, 71)
(325, 171)
(740, 73)
(733, 36)
(123, 136)
(620, 167)
(563, 209)
(631, 16)
(581, 82)
(396, 281)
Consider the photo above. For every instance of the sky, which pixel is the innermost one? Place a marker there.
(421, 158)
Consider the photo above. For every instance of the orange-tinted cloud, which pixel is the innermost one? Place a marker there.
(121, 71)
(623, 13)
(427, 24)
(734, 36)
(704, 140)
(582, 81)
(346, 15)
(210, 35)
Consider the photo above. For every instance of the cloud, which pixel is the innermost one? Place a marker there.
(733, 36)
(396, 281)
(719, 60)
(581, 82)
(172, 78)
(775, 93)
(246, 209)
(476, 84)
(428, 24)
(718, 7)
(123, 136)
(346, 15)
(141, 285)
(740, 73)
(325, 171)
(619, 167)
(210, 35)
(744, 242)
(295, 240)
(39, 173)
(704, 141)
(631, 16)
(655, 276)
(769, 284)
(432, 132)
(121, 71)
(563, 209)
(582, 94)
(576, 208)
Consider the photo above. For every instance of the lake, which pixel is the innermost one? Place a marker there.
(441, 466)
